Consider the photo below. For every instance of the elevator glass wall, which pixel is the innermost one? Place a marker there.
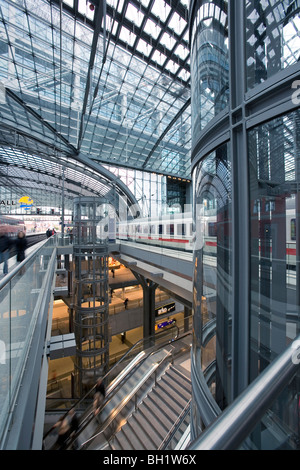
(245, 158)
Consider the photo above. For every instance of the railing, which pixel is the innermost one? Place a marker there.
(22, 292)
(186, 410)
(160, 339)
(133, 394)
(234, 426)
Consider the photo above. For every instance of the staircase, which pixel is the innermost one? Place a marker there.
(145, 403)
(155, 416)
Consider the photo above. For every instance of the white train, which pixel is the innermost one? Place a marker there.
(172, 231)
(177, 231)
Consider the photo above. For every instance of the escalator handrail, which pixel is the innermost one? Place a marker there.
(142, 359)
(82, 399)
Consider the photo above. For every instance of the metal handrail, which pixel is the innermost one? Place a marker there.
(82, 399)
(141, 359)
(175, 426)
(234, 425)
(14, 271)
(120, 406)
(141, 381)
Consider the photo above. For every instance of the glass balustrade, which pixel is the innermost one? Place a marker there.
(20, 293)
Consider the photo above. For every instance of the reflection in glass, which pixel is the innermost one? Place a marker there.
(209, 65)
(274, 221)
(212, 278)
(272, 38)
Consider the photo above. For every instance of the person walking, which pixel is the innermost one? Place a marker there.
(99, 396)
(126, 303)
(21, 245)
(5, 244)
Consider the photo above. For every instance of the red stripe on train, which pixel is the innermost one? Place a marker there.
(174, 240)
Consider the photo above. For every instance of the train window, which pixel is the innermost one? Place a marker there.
(170, 229)
(293, 229)
(160, 229)
(212, 229)
(152, 229)
(145, 229)
(181, 229)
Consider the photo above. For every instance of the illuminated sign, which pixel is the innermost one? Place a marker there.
(165, 309)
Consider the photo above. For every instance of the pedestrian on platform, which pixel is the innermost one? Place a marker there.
(5, 244)
(126, 303)
(21, 245)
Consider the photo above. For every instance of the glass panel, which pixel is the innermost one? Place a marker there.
(279, 427)
(18, 317)
(5, 352)
(274, 197)
(272, 38)
(131, 102)
(210, 63)
(212, 277)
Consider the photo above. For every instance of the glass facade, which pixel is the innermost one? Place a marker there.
(209, 63)
(212, 276)
(273, 168)
(272, 41)
(245, 165)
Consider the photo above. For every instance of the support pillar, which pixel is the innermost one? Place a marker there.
(149, 288)
(186, 318)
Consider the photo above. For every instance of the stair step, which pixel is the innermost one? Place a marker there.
(179, 394)
(165, 415)
(176, 378)
(145, 431)
(158, 429)
(128, 434)
(122, 441)
(169, 398)
(179, 376)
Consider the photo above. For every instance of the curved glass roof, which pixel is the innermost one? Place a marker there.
(45, 176)
(105, 83)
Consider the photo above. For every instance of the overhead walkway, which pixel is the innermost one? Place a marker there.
(169, 268)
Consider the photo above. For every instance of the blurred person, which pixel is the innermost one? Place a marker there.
(21, 245)
(99, 396)
(5, 244)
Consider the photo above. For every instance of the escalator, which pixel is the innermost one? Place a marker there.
(133, 383)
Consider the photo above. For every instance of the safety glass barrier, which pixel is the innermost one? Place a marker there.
(260, 417)
(19, 294)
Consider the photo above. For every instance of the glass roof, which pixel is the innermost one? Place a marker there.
(107, 82)
(45, 176)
